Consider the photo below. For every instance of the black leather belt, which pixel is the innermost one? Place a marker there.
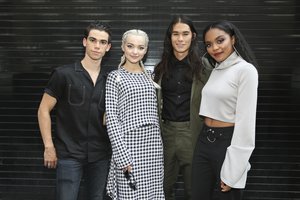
(215, 133)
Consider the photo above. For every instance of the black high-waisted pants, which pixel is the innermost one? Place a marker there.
(208, 158)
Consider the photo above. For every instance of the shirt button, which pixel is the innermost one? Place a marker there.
(179, 82)
(178, 96)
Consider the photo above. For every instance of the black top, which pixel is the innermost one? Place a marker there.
(80, 133)
(176, 92)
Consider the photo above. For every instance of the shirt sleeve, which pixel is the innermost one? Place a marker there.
(121, 155)
(55, 86)
(236, 163)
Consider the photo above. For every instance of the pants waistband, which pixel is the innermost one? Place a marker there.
(177, 124)
(217, 133)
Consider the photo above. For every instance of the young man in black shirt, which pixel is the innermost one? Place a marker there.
(181, 77)
(81, 144)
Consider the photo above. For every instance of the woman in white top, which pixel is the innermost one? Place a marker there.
(228, 106)
(136, 170)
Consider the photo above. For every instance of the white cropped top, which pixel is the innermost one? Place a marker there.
(230, 95)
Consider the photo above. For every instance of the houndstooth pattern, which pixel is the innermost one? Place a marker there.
(133, 129)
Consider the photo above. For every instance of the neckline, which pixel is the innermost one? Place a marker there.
(129, 72)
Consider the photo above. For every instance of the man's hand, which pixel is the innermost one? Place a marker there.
(50, 159)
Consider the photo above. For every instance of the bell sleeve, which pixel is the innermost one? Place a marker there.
(121, 155)
(236, 164)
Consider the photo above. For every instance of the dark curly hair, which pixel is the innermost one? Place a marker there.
(101, 26)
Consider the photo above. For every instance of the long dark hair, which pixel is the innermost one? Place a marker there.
(241, 45)
(193, 57)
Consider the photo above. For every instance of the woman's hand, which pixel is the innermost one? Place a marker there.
(128, 168)
(224, 187)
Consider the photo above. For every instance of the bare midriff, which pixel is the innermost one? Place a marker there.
(216, 123)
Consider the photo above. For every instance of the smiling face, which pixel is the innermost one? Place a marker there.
(134, 48)
(181, 39)
(96, 44)
(219, 44)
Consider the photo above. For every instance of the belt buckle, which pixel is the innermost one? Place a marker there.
(211, 135)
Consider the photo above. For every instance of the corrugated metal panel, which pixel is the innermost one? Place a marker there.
(38, 35)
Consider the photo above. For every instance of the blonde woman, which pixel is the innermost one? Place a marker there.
(136, 170)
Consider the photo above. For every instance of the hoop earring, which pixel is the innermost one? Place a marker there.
(203, 58)
(236, 51)
(206, 62)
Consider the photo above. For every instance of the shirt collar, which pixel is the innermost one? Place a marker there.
(104, 69)
(175, 61)
(78, 67)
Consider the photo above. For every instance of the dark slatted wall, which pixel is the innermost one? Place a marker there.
(38, 35)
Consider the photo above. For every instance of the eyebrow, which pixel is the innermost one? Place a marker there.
(180, 31)
(142, 45)
(218, 37)
(101, 40)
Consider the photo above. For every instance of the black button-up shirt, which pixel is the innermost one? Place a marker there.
(80, 133)
(176, 92)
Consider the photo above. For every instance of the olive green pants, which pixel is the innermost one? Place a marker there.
(178, 156)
